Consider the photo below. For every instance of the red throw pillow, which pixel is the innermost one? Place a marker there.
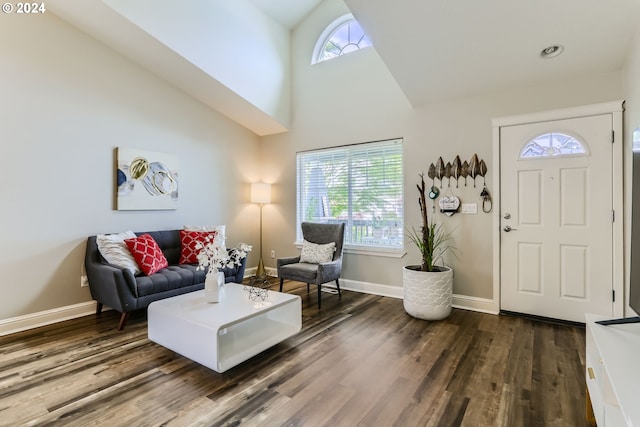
(188, 242)
(147, 254)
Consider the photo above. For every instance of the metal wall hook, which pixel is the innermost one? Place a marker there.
(487, 203)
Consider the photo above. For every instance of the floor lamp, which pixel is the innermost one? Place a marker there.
(260, 193)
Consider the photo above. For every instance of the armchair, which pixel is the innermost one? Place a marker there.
(291, 268)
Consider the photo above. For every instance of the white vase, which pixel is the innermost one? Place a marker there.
(214, 286)
(427, 295)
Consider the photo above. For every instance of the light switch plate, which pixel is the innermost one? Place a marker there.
(469, 208)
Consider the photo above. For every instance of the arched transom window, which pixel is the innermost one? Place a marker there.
(552, 144)
(342, 36)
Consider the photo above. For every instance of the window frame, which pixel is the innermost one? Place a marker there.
(351, 163)
(326, 35)
(571, 135)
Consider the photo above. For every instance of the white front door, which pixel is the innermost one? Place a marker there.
(556, 218)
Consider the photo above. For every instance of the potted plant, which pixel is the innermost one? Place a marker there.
(428, 287)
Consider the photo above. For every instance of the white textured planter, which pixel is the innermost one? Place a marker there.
(427, 295)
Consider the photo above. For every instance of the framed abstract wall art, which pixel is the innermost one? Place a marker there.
(146, 180)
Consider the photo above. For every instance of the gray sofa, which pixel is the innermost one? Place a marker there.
(119, 289)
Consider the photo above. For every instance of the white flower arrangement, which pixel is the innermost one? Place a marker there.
(214, 256)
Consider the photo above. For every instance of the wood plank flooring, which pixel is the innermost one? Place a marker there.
(360, 361)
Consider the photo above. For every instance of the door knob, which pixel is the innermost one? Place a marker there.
(508, 228)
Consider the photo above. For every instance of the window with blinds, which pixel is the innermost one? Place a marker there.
(360, 185)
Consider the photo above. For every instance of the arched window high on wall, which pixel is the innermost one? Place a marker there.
(342, 36)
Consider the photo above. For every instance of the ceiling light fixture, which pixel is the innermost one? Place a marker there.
(551, 51)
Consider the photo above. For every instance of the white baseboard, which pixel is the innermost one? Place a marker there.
(464, 302)
(271, 271)
(483, 305)
(251, 271)
(47, 317)
(369, 288)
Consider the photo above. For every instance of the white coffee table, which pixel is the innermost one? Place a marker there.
(224, 334)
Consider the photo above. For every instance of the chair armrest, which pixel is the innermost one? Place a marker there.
(290, 260)
(328, 271)
(280, 262)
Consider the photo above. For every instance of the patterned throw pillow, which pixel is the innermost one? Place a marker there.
(220, 229)
(313, 253)
(188, 242)
(114, 250)
(147, 254)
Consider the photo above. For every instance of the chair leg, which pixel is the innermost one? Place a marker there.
(123, 321)
(99, 309)
(338, 285)
(319, 294)
(281, 281)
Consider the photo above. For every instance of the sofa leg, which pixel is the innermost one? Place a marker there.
(123, 321)
(319, 295)
(281, 281)
(338, 285)
(99, 309)
(308, 288)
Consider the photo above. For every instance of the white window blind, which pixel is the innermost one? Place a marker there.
(360, 185)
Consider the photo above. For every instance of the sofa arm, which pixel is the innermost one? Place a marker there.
(112, 286)
(109, 285)
(236, 273)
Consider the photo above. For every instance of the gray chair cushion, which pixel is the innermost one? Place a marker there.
(301, 271)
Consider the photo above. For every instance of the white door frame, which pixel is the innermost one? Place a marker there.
(615, 108)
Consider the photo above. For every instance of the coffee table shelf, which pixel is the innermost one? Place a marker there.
(224, 334)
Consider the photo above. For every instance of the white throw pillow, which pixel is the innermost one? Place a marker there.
(115, 251)
(313, 253)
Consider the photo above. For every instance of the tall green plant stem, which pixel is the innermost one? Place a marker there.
(427, 241)
(431, 240)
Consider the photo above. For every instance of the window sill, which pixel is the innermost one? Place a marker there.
(369, 251)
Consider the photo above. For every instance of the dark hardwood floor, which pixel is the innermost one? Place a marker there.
(360, 361)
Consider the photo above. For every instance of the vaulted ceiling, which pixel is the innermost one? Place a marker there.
(289, 13)
(436, 50)
(439, 50)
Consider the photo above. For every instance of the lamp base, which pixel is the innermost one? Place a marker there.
(260, 271)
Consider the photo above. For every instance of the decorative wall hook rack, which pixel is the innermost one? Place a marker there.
(457, 169)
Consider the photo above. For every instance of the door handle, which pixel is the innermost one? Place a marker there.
(508, 228)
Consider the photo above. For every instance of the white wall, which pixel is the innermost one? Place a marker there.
(67, 102)
(232, 41)
(354, 99)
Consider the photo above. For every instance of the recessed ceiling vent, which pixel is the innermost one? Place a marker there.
(551, 51)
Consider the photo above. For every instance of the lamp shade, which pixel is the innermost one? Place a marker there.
(260, 192)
